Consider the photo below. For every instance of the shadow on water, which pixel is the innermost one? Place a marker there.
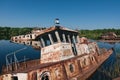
(110, 68)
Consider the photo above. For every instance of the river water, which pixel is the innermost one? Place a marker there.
(108, 70)
(7, 47)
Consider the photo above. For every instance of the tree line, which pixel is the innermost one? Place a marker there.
(95, 34)
(8, 32)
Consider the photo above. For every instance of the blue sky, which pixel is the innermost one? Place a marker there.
(81, 14)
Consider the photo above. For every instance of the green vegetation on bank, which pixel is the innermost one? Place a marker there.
(95, 34)
(8, 32)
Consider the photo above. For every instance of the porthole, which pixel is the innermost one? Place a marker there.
(92, 58)
(14, 78)
(45, 76)
(71, 68)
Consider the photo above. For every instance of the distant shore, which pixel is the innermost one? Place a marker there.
(109, 41)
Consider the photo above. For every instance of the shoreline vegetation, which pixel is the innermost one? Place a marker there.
(7, 32)
(113, 71)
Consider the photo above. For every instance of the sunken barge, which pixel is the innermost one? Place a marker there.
(64, 56)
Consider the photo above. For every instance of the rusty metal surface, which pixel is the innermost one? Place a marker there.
(56, 52)
(61, 70)
(62, 60)
(34, 35)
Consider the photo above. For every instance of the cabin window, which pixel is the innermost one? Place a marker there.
(66, 36)
(54, 37)
(45, 41)
(76, 39)
(14, 78)
(48, 42)
(71, 68)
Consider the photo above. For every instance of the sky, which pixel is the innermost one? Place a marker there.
(75, 14)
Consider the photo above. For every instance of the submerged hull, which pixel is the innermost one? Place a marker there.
(76, 68)
(64, 56)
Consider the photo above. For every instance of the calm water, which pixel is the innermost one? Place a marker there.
(111, 67)
(107, 71)
(7, 47)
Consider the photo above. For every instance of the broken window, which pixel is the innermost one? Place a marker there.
(45, 41)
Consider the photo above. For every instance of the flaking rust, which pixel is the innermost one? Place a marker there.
(64, 56)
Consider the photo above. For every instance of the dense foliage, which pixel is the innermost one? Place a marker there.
(95, 34)
(8, 32)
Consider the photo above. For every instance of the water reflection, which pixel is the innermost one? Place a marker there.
(34, 44)
(7, 47)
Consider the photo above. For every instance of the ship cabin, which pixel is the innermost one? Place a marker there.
(57, 43)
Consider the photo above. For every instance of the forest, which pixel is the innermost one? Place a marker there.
(7, 32)
(95, 34)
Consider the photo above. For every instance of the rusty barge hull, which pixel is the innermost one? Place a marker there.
(64, 56)
(61, 70)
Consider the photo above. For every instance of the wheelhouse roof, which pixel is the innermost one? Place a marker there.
(56, 28)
